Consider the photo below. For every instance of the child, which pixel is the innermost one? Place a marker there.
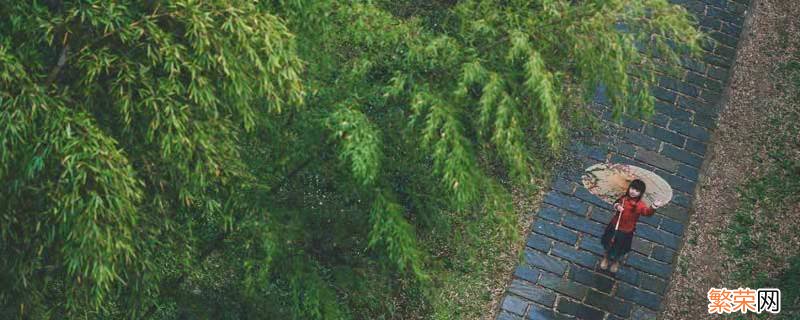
(619, 232)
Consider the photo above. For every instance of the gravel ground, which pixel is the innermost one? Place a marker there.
(752, 95)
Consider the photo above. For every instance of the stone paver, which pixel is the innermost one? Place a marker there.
(560, 277)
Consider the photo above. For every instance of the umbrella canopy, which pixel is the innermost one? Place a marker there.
(609, 181)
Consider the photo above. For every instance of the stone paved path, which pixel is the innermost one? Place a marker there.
(560, 277)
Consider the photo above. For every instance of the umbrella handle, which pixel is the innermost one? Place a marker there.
(620, 215)
(614, 237)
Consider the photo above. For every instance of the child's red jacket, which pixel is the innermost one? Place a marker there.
(632, 210)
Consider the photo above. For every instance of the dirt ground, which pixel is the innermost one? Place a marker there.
(753, 93)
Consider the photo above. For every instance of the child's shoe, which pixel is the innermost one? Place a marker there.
(615, 267)
(604, 264)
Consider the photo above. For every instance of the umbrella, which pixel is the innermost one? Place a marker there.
(609, 181)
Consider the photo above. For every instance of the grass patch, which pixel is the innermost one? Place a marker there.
(760, 221)
(754, 222)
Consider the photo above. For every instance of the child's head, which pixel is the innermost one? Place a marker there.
(636, 189)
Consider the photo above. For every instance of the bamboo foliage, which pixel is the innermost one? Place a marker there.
(134, 122)
(360, 143)
(289, 159)
(396, 235)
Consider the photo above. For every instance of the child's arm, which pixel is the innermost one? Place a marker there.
(650, 210)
